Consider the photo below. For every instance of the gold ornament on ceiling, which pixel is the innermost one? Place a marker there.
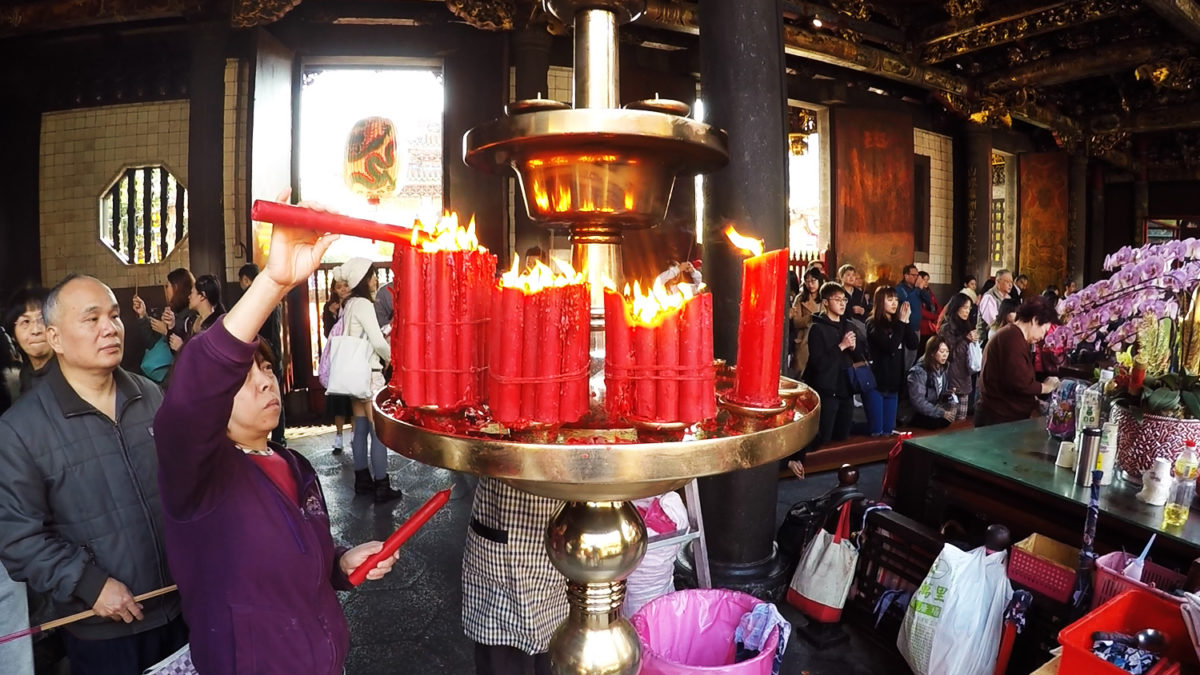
(855, 9)
(485, 14)
(961, 9)
(251, 13)
(1167, 74)
(1100, 144)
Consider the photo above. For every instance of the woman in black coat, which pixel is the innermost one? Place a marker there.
(889, 334)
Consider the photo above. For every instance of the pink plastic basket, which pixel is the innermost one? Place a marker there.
(1111, 580)
(1045, 566)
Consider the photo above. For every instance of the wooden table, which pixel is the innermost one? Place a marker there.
(1006, 474)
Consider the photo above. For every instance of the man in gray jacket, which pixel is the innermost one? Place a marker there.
(80, 520)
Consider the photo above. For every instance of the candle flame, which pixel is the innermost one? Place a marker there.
(748, 244)
(650, 308)
(539, 276)
(446, 235)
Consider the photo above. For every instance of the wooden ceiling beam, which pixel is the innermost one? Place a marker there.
(1081, 65)
(1163, 119)
(952, 39)
(1184, 15)
(33, 16)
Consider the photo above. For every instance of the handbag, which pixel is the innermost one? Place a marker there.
(157, 360)
(862, 378)
(974, 357)
(826, 571)
(349, 365)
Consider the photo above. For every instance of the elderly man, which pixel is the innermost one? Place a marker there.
(80, 519)
(989, 303)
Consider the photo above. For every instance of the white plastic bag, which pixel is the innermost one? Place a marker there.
(655, 575)
(955, 619)
(974, 357)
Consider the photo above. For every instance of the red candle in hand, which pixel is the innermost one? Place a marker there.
(401, 535)
(323, 221)
(760, 325)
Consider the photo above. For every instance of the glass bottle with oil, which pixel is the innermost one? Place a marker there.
(1183, 489)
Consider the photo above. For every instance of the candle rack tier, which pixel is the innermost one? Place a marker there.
(597, 538)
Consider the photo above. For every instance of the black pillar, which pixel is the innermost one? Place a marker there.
(1077, 219)
(206, 146)
(20, 133)
(979, 202)
(744, 91)
(531, 62)
(1141, 197)
(1097, 227)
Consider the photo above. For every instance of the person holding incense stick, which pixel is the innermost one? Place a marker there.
(247, 531)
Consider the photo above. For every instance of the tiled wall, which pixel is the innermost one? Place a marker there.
(558, 79)
(236, 162)
(940, 150)
(82, 151)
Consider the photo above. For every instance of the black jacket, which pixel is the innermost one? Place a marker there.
(888, 342)
(79, 500)
(827, 364)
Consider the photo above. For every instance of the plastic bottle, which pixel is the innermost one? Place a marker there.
(1183, 488)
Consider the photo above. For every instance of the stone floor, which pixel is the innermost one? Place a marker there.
(409, 622)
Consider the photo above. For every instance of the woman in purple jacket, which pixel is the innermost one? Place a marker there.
(247, 531)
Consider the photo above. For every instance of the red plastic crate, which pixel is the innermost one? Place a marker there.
(1044, 565)
(1111, 580)
(1129, 612)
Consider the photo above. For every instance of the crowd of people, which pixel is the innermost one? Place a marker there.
(907, 359)
(196, 494)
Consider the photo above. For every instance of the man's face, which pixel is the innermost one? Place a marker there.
(911, 276)
(87, 332)
(835, 306)
(1004, 282)
(244, 282)
(1022, 284)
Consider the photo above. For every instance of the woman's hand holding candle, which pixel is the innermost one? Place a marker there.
(358, 555)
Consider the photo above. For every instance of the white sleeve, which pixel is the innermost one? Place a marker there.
(364, 314)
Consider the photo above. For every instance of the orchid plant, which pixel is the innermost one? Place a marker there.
(1145, 314)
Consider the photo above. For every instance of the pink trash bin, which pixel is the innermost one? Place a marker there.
(692, 631)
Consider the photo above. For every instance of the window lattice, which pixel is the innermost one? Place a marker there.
(143, 214)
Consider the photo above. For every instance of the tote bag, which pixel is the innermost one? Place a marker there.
(349, 365)
(156, 362)
(822, 580)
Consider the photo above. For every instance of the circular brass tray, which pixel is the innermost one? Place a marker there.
(596, 472)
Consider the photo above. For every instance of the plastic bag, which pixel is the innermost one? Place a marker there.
(1060, 415)
(955, 619)
(974, 357)
(692, 631)
(655, 575)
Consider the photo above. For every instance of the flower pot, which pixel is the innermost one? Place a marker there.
(1139, 443)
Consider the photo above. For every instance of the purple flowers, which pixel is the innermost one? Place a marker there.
(1154, 278)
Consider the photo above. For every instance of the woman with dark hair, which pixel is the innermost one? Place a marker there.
(955, 331)
(1008, 386)
(246, 523)
(23, 323)
(889, 333)
(360, 321)
(175, 318)
(803, 307)
(205, 301)
(929, 389)
(1005, 316)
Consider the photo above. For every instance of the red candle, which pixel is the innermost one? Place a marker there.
(444, 343)
(760, 325)
(412, 311)
(548, 391)
(618, 356)
(576, 318)
(645, 360)
(322, 221)
(530, 345)
(697, 381)
(401, 535)
(668, 346)
(464, 346)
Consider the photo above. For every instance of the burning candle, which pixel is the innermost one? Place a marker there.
(401, 535)
(442, 300)
(539, 361)
(760, 325)
(658, 359)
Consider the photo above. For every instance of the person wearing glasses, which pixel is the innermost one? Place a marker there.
(832, 349)
(908, 292)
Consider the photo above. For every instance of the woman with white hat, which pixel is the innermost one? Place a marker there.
(360, 320)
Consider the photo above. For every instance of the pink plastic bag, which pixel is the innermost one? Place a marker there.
(692, 632)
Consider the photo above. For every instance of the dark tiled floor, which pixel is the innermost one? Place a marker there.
(409, 622)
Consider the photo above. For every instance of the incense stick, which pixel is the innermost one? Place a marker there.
(51, 625)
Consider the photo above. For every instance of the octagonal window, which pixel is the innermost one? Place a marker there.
(143, 214)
